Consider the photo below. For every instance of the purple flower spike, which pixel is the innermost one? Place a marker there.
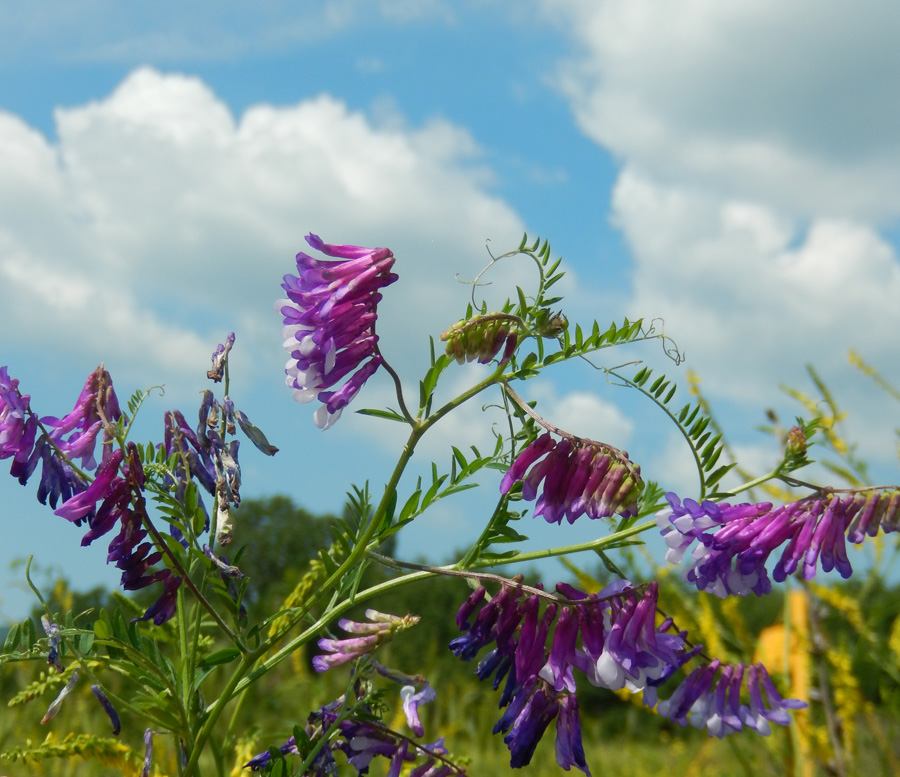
(80, 505)
(329, 317)
(96, 409)
(734, 542)
(710, 697)
(575, 478)
(13, 409)
(558, 669)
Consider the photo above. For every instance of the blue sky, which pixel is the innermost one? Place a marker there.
(733, 168)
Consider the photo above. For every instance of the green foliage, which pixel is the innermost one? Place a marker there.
(706, 448)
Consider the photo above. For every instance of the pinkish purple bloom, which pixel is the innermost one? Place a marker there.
(380, 630)
(575, 478)
(734, 542)
(65, 440)
(96, 409)
(329, 317)
(14, 426)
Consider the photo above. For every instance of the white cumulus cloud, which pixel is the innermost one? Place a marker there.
(159, 220)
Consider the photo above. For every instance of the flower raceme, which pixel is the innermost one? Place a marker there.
(734, 542)
(329, 323)
(122, 504)
(578, 477)
(367, 637)
(621, 646)
(61, 440)
(361, 741)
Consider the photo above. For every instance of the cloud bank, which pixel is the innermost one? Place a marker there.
(759, 161)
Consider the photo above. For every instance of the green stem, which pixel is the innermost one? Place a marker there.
(399, 389)
(418, 430)
(480, 544)
(758, 481)
(161, 544)
(570, 549)
(238, 681)
(362, 596)
(216, 709)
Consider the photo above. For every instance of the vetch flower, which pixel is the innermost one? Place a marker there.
(52, 631)
(569, 747)
(635, 650)
(122, 503)
(380, 630)
(360, 741)
(96, 409)
(108, 709)
(219, 357)
(329, 317)
(577, 477)
(734, 542)
(260, 761)
(57, 702)
(15, 428)
(412, 700)
(536, 710)
(616, 639)
(148, 752)
(710, 697)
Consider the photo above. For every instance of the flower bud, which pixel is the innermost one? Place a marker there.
(482, 337)
(796, 443)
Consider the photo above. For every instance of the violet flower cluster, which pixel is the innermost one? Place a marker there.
(621, 646)
(122, 503)
(578, 478)
(61, 441)
(734, 542)
(114, 498)
(329, 324)
(203, 454)
(381, 628)
(361, 741)
(74, 437)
